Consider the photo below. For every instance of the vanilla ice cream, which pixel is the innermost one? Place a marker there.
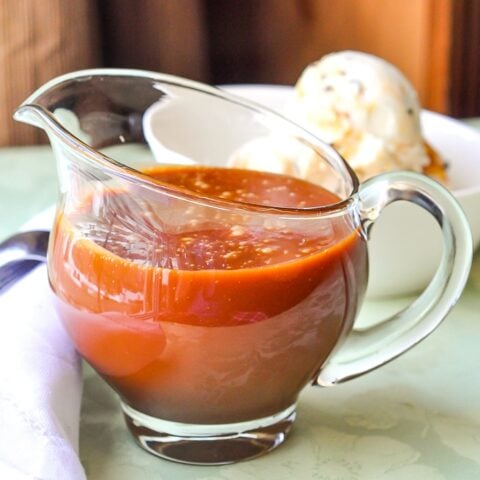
(277, 154)
(364, 107)
(288, 156)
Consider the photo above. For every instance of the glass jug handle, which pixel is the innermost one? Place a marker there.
(371, 348)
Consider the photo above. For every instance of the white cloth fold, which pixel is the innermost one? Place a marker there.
(40, 386)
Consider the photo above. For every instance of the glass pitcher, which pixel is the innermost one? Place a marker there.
(208, 295)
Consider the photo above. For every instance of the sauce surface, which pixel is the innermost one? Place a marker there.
(247, 186)
(202, 315)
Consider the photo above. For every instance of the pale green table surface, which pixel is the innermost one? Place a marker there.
(416, 418)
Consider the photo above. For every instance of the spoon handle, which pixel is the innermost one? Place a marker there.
(21, 253)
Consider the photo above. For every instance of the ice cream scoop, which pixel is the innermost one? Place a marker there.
(367, 109)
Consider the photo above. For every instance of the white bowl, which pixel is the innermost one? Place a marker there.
(406, 244)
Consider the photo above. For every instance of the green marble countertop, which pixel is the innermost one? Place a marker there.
(416, 418)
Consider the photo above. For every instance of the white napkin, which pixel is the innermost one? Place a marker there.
(41, 385)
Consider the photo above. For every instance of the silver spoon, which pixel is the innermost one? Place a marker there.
(21, 253)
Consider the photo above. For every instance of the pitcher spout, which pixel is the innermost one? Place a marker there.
(34, 115)
(99, 108)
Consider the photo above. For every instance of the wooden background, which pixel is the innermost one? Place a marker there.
(231, 41)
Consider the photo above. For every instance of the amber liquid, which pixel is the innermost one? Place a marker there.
(217, 323)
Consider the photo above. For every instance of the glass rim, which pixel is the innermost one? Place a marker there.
(118, 169)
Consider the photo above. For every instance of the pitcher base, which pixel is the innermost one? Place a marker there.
(209, 444)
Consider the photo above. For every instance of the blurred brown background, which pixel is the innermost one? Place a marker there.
(434, 42)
